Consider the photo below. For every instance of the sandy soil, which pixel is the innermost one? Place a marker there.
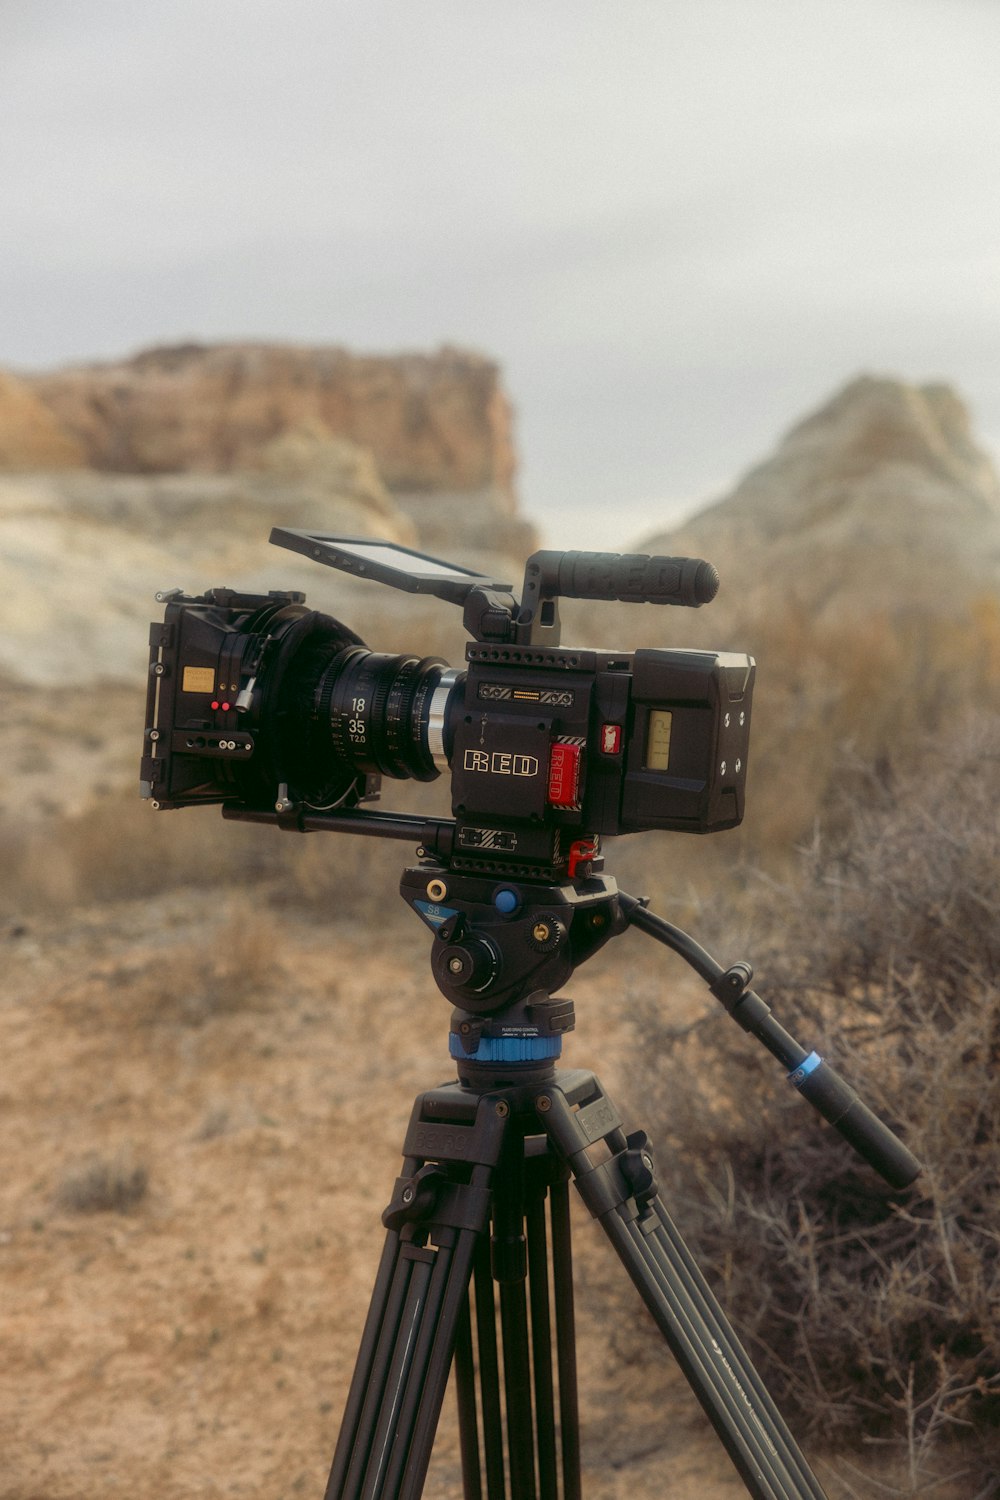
(257, 1073)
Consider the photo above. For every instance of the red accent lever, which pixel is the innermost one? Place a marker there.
(581, 853)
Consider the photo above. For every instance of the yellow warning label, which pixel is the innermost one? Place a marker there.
(199, 680)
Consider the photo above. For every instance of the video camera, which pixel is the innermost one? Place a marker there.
(283, 714)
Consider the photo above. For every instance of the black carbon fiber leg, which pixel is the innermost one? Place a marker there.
(445, 1287)
(621, 1193)
(439, 1213)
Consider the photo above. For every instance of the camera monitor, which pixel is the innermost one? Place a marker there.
(386, 562)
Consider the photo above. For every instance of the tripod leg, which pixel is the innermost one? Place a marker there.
(470, 1160)
(489, 1374)
(468, 1426)
(621, 1193)
(568, 1426)
(569, 1403)
(440, 1211)
(514, 1287)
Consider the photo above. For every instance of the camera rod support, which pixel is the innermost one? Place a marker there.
(435, 835)
(815, 1079)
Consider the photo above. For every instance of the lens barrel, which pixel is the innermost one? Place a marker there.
(347, 712)
(377, 709)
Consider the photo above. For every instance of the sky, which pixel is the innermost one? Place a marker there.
(678, 225)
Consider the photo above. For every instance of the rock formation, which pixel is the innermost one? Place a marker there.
(880, 501)
(31, 436)
(437, 429)
(436, 422)
(170, 469)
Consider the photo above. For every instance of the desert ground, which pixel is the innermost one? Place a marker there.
(204, 1096)
(247, 1079)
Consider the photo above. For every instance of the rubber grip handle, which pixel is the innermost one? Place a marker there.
(838, 1103)
(635, 578)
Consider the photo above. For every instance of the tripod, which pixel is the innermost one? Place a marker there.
(483, 1158)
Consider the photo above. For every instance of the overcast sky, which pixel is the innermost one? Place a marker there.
(677, 226)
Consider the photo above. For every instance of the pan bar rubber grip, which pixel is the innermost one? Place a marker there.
(838, 1103)
(824, 1088)
(633, 578)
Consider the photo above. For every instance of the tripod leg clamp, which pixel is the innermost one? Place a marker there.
(414, 1197)
(430, 1196)
(637, 1168)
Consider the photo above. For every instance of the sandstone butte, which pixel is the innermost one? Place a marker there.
(879, 500)
(434, 422)
(32, 436)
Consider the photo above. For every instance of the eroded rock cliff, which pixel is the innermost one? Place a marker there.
(880, 500)
(433, 422)
(32, 436)
(119, 479)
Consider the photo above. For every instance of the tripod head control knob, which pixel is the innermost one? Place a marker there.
(470, 967)
(546, 933)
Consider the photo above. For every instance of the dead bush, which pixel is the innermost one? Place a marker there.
(119, 848)
(863, 687)
(104, 1184)
(228, 966)
(872, 1314)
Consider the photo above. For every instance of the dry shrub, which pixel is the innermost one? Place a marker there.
(120, 849)
(104, 1184)
(858, 688)
(873, 1314)
(226, 967)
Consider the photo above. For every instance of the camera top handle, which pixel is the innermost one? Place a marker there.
(629, 578)
(491, 613)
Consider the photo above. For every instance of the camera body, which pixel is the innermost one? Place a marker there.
(551, 745)
(263, 705)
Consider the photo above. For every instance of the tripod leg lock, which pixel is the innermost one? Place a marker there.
(431, 1197)
(414, 1197)
(637, 1168)
(626, 1177)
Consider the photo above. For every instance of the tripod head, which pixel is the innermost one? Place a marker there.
(502, 948)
